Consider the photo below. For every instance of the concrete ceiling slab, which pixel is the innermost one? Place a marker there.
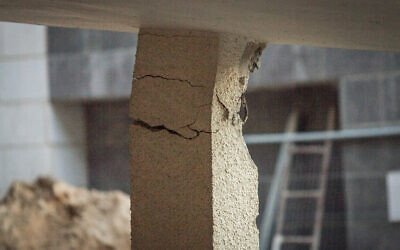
(355, 24)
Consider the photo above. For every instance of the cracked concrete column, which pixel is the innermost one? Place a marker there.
(194, 185)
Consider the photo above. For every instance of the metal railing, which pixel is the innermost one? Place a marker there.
(346, 134)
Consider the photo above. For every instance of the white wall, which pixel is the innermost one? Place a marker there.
(37, 137)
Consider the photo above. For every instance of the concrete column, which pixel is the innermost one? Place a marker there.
(194, 185)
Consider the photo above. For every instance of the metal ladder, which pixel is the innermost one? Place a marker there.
(318, 194)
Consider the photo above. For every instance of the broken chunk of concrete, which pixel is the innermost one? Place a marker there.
(53, 215)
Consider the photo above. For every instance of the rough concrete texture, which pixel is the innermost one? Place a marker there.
(193, 181)
(53, 215)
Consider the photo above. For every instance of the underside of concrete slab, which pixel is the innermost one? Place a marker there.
(357, 24)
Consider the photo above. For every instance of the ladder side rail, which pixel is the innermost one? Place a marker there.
(271, 208)
(323, 182)
(278, 237)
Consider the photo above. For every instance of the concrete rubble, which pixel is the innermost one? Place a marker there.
(49, 214)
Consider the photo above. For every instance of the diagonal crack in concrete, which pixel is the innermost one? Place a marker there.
(172, 36)
(144, 124)
(169, 79)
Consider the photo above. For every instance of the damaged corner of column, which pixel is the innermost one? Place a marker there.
(194, 184)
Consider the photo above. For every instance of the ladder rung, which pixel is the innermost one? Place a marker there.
(308, 149)
(302, 194)
(298, 239)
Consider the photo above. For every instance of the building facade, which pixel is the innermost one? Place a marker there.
(64, 112)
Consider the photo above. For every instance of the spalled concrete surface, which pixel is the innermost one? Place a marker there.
(193, 181)
(235, 177)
